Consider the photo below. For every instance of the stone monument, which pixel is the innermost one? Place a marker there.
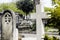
(9, 25)
(39, 23)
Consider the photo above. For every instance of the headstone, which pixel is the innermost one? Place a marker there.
(8, 25)
(39, 23)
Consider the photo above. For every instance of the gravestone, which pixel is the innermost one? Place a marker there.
(39, 23)
(9, 26)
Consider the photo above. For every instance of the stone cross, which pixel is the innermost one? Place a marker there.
(9, 26)
(39, 23)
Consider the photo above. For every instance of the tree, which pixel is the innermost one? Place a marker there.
(25, 5)
(55, 15)
(10, 6)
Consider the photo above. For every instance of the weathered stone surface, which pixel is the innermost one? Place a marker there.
(39, 23)
(6, 26)
(9, 26)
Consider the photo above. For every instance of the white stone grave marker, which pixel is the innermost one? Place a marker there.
(9, 31)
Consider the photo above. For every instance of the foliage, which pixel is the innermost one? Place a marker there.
(50, 38)
(10, 6)
(46, 9)
(3, 6)
(55, 15)
(47, 28)
(25, 5)
(50, 29)
(54, 2)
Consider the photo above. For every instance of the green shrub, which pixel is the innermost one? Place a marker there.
(50, 38)
(46, 37)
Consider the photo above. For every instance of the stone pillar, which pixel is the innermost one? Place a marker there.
(39, 23)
